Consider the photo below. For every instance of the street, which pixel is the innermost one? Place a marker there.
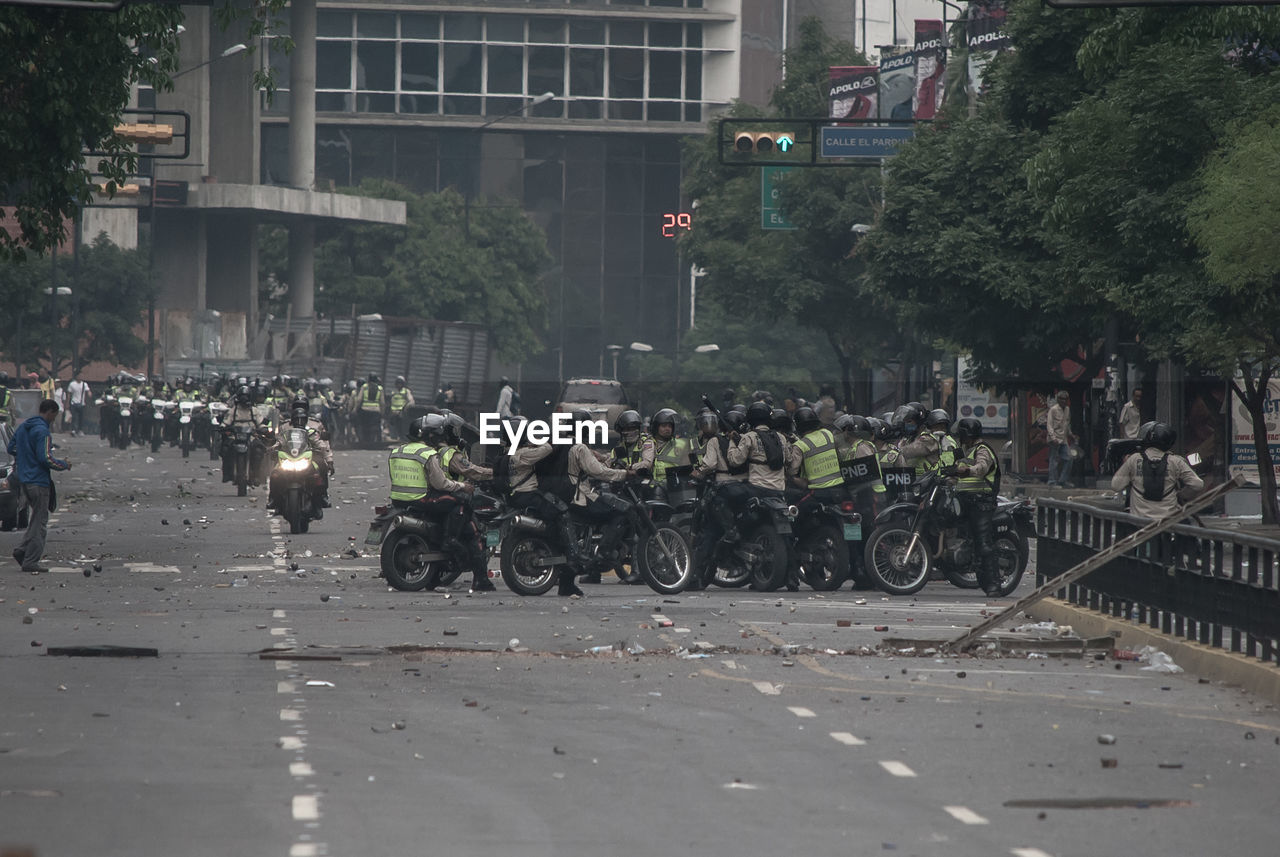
(299, 707)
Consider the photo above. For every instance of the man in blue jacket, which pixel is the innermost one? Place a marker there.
(32, 449)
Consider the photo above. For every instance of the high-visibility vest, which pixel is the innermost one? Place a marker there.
(371, 402)
(446, 457)
(947, 449)
(629, 456)
(821, 465)
(666, 454)
(408, 466)
(863, 452)
(988, 484)
(399, 398)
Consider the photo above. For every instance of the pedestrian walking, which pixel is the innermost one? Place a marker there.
(60, 396)
(1059, 437)
(32, 449)
(1131, 415)
(78, 396)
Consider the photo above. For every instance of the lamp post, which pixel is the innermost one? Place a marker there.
(471, 168)
(641, 348)
(614, 350)
(237, 48)
(54, 292)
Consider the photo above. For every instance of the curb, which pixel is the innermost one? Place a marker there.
(1257, 677)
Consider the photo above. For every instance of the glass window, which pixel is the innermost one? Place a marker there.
(376, 25)
(666, 35)
(586, 32)
(376, 66)
(381, 102)
(419, 67)
(626, 33)
(372, 154)
(693, 112)
(416, 159)
(506, 69)
(333, 102)
(462, 27)
(693, 76)
(546, 71)
(550, 30)
(626, 73)
(505, 28)
(333, 156)
(543, 186)
(586, 72)
(333, 65)
(694, 35)
(664, 111)
(417, 26)
(581, 108)
(664, 74)
(629, 110)
(419, 104)
(333, 22)
(462, 105)
(279, 63)
(462, 68)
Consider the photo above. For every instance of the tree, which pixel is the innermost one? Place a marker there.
(65, 79)
(98, 320)
(483, 265)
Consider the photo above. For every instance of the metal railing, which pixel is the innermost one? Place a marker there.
(1214, 586)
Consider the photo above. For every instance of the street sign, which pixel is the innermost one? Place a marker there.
(847, 141)
(771, 215)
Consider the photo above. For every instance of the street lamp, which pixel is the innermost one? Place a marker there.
(614, 350)
(54, 294)
(709, 348)
(471, 169)
(237, 48)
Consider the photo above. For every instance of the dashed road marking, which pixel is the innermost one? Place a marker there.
(965, 815)
(277, 614)
(767, 688)
(898, 769)
(800, 712)
(286, 687)
(290, 742)
(306, 807)
(279, 632)
(300, 769)
(848, 739)
(744, 786)
(304, 849)
(290, 714)
(1029, 852)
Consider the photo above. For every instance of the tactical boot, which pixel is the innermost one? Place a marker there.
(566, 586)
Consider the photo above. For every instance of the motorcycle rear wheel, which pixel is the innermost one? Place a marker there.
(401, 563)
(665, 576)
(521, 571)
(827, 565)
(769, 568)
(1012, 555)
(889, 565)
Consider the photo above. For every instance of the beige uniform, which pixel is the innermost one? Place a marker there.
(582, 464)
(523, 479)
(1180, 481)
(464, 468)
(923, 447)
(750, 449)
(438, 479)
(714, 462)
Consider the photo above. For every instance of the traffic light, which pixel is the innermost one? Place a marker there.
(763, 143)
(145, 132)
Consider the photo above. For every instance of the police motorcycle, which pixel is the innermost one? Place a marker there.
(659, 549)
(411, 552)
(124, 422)
(294, 480)
(825, 534)
(160, 411)
(209, 424)
(925, 530)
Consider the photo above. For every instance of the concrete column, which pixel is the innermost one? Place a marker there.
(302, 157)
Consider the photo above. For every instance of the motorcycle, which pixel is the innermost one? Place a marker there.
(237, 441)
(124, 422)
(659, 549)
(411, 555)
(216, 414)
(188, 410)
(159, 414)
(824, 536)
(923, 532)
(294, 480)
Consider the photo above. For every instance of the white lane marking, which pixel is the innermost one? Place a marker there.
(290, 714)
(277, 614)
(150, 568)
(744, 786)
(305, 808)
(279, 632)
(800, 712)
(897, 769)
(304, 849)
(286, 687)
(965, 815)
(767, 689)
(283, 666)
(300, 769)
(848, 739)
(289, 742)
(1029, 852)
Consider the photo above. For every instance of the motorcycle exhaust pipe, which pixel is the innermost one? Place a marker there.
(413, 525)
(793, 511)
(532, 524)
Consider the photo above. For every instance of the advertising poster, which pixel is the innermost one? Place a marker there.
(1037, 432)
(986, 37)
(972, 401)
(897, 85)
(1244, 458)
(852, 91)
(930, 66)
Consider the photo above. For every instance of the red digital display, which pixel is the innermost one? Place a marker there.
(673, 222)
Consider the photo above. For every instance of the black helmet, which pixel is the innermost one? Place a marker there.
(1161, 436)
(627, 421)
(806, 420)
(373, 377)
(880, 430)
(780, 420)
(739, 408)
(858, 426)
(243, 396)
(298, 416)
(938, 417)
(430, 429)
(909, 418)
(400, 380)
(758, 414)
(707, 419)
(664, 417)
(580, 416)
(734, 420)
(968, 428)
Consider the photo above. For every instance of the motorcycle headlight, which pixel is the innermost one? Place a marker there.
(295, 464)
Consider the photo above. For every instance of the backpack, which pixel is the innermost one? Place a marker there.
(772, 444)
(502, 475)
(1153, 474)
(553, 474)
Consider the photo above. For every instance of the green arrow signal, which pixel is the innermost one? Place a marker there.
(785, 142)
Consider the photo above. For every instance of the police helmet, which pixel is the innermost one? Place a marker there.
(880, 430)
(739, 408)
(431, 429)
(707, 419)
(580, 416)
(909, 418)
(968, 429)
(806, 420)
(243, 395)
(735, 420)
(853, 424)
(454, 425)
(298, 416)
(938, 418)
(758, 414)
(628, 422)
(780, 420)
(663, 417)
(400, 380)
(1161, 436)
(352, 385)
(373, 377)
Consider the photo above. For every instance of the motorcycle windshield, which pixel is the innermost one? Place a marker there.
(296, 442)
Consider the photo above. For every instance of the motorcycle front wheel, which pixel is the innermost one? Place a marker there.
(293, 509)
(824, 559)
(523, 567)
(890, 566)
(665, 574)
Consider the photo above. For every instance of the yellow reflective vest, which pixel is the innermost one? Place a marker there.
(821, 464)
(408, 466)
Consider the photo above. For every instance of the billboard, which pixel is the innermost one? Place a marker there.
(852, 91)
(931, 61)
(897, 86)
(1244, 458)
(984, 405)
(986, 36)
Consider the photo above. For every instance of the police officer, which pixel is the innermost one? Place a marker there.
(1156, 478)
(241, 412)
(669, 451)
(419, 482)
(817, 462)
(526, 494)
(635, 449)
(6, 398)
(767, 455)
(918, 446)
(938, 422)
(369, 405)
(590, 504)
(860, 464)
(978, 483)
(321, 461)
(401, 397)
(718, 517)
(454, 456)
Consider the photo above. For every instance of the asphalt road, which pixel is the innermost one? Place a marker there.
(389, 723)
